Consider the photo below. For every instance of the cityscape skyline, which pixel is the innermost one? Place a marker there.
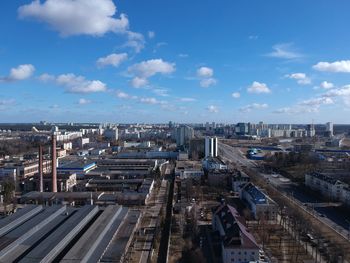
(242, 65)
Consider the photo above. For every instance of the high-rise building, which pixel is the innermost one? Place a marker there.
(310, 130)
(183, 135)
(111, 133)
(242, 128)
(329, 129)
(211, 147)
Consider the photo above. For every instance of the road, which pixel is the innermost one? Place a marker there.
(328, 215)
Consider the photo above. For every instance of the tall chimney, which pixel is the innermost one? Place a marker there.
(54, 164)
(41, 184)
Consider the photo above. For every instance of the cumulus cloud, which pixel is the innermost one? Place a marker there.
(301, 78)
(253, 106)
(213, 109)
(122, 95)
(146, 69)
(76, 17)
(327, 85)
(81, 17)
(75, 84)
(258, 88)
(138, 82)
(112, 60)
(205, 83)
(284, 51)
(135, 40)
(21, 72)
(205, 74)
(83, 101)
(236, 95)
(337, 66)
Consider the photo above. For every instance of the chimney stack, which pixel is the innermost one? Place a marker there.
(54, 164)
(41, 184)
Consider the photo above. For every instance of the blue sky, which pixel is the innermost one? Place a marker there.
(185, 61)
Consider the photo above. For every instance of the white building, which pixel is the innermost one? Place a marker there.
(211, 147)
(238, 245)
(329, 128)
(329, 187)
(259, 203)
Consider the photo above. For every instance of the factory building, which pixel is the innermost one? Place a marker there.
(57, 233)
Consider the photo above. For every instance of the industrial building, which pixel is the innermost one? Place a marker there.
(58, 233)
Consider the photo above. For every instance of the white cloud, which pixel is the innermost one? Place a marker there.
(258, 88)
(112, 59)
(253, 106)
(146, 69)
(152, 101)
(46, 77)
(337, 66)
(236, 95)
(151, 34)
(341, 92)
(122, 95)
(327, 85)
(83, 101)
(77, 17)
(151, 67)
(135, 40)
(187, 99)
(316, 102)
(75, 84)
(137, 82)
(296, 110)
(213, 109)
(285, 51)
(301, 78)
(205, 83)
(205, 72)
(21, 72)
(82, 17)
(160, 92)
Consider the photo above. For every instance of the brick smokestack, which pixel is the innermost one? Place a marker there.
(54, 164)
(41, 183)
